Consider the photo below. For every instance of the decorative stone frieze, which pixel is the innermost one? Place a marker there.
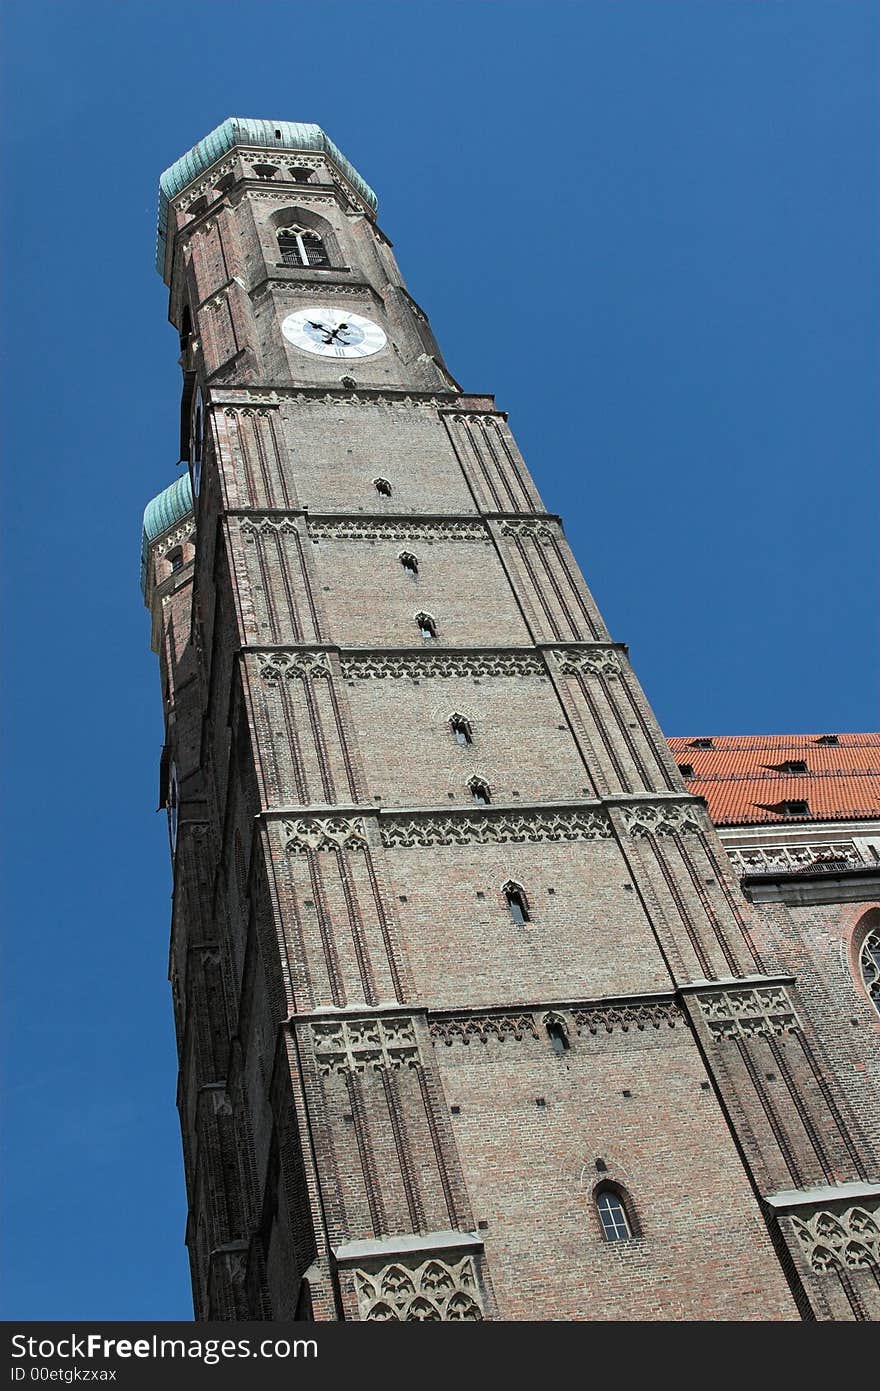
(653, 1014)
(436, 1291)
(184, 532)
(464, 1028)
(325, 833)
(782, 859)
(661, 819)
(748, 1012)
(303, 664)
(364, 1045)
(593, 661)
(532, 529)
(356, 529)
(382, 664)
(504, 827)
(847, 1240)
(267, 526)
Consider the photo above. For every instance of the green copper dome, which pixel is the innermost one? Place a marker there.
(161, 514)
(238, 130)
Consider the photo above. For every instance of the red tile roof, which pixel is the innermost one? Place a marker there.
(744, 782)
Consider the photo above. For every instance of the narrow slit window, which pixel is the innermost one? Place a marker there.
(612, 1215)
(426, 626)
(461, 730)
(516, 904)
(300, 246)
(557, 1035)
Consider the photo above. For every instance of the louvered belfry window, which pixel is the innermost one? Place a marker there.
(299, 246)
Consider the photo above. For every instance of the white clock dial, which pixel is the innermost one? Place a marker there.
(333, 333)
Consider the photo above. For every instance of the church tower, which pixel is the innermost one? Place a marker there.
(472, 1020)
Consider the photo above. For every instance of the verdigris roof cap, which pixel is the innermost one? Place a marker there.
(239, 130)
(160, 515)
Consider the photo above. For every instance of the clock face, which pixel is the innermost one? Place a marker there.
(333, 333)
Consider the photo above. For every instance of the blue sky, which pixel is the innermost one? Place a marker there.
(692, 187)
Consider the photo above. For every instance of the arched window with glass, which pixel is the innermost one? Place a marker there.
(869, 964)
(614, 1214)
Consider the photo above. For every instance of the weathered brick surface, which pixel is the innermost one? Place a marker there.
(362, 1023)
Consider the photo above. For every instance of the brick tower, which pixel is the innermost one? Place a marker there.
(471, 1021)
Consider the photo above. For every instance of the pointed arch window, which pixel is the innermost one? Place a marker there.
(427, 627)
(382, 486)
(613, 1215)
(557, 1034)
(173, 805)
(480, 792)
(869, 965)
(300, 246)
(197, 441)
(517, 904)
(409, 563)
(461, 730)
(186, 328)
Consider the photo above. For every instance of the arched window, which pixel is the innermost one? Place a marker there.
(173, 805)
(265, 171)
(175, 559)
(426, 626)
(409, 563)
(300, 246)
(197, 441)
(869, 964)
(461, 730)
(480, 792)
(517, 904)
(613, 1215)
(186, 328)
(301, 175)
(556, 1032)
(382, 486)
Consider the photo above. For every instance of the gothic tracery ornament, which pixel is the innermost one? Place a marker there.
(594, 1019)
(381, 664)
(364, 1045)
(748, 1012)
(463, 1028)
(869, 965)
(533, 529)
(597, 661)
(661, 819)
(502, 828)
(848, 1240)
(355, 529)
(325, 833)
(301, 664)
(435, 1291)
